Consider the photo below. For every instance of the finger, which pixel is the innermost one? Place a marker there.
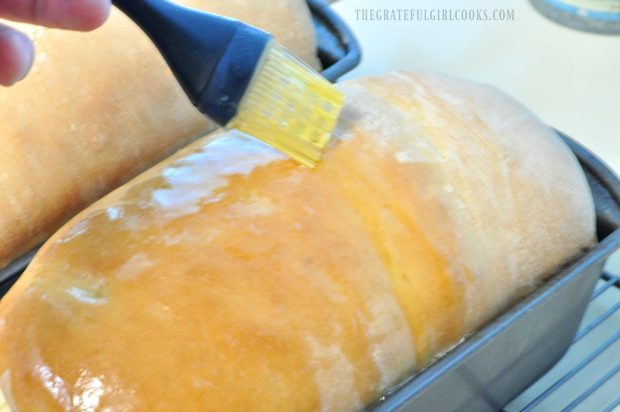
(16, 56)
(81, 15)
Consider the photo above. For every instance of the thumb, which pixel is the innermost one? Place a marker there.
(16, 55)
(65, 14)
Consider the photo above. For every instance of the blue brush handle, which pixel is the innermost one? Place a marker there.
(212, 57)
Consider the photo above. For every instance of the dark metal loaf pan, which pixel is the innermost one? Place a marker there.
(496, 364)
(338, 51)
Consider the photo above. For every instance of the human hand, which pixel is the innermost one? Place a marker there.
(16, 49)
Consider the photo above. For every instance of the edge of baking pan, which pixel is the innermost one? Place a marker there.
(425, 388)
(603, 182)
(15, 268)
(338, 48)
(339, 52)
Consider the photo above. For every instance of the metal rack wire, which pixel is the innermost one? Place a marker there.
(566, 387)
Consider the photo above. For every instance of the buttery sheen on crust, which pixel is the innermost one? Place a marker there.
(97, 109)
(229, 278)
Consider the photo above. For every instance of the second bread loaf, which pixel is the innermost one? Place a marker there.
(97, 109)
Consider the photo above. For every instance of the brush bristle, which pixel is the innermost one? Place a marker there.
(290, 107)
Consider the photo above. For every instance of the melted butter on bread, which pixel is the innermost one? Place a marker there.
(257, 284)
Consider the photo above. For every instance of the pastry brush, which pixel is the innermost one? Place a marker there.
(241, 78)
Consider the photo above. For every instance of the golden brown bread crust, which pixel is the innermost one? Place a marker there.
(230, 278)
(97, 109)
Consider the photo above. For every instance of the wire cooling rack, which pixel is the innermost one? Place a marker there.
(587, 379)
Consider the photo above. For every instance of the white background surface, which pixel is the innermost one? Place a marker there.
(571, 79)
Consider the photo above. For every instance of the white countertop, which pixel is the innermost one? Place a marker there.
(570, 78)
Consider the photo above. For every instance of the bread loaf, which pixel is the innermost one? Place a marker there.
(97, 109)
(229, 278)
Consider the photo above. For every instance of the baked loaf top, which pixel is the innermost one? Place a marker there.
(230, 278)
(97, 109)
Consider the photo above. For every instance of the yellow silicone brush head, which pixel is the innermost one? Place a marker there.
(289, 106)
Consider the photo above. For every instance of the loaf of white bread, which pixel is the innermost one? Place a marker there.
(97, 109)
(229, 278)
